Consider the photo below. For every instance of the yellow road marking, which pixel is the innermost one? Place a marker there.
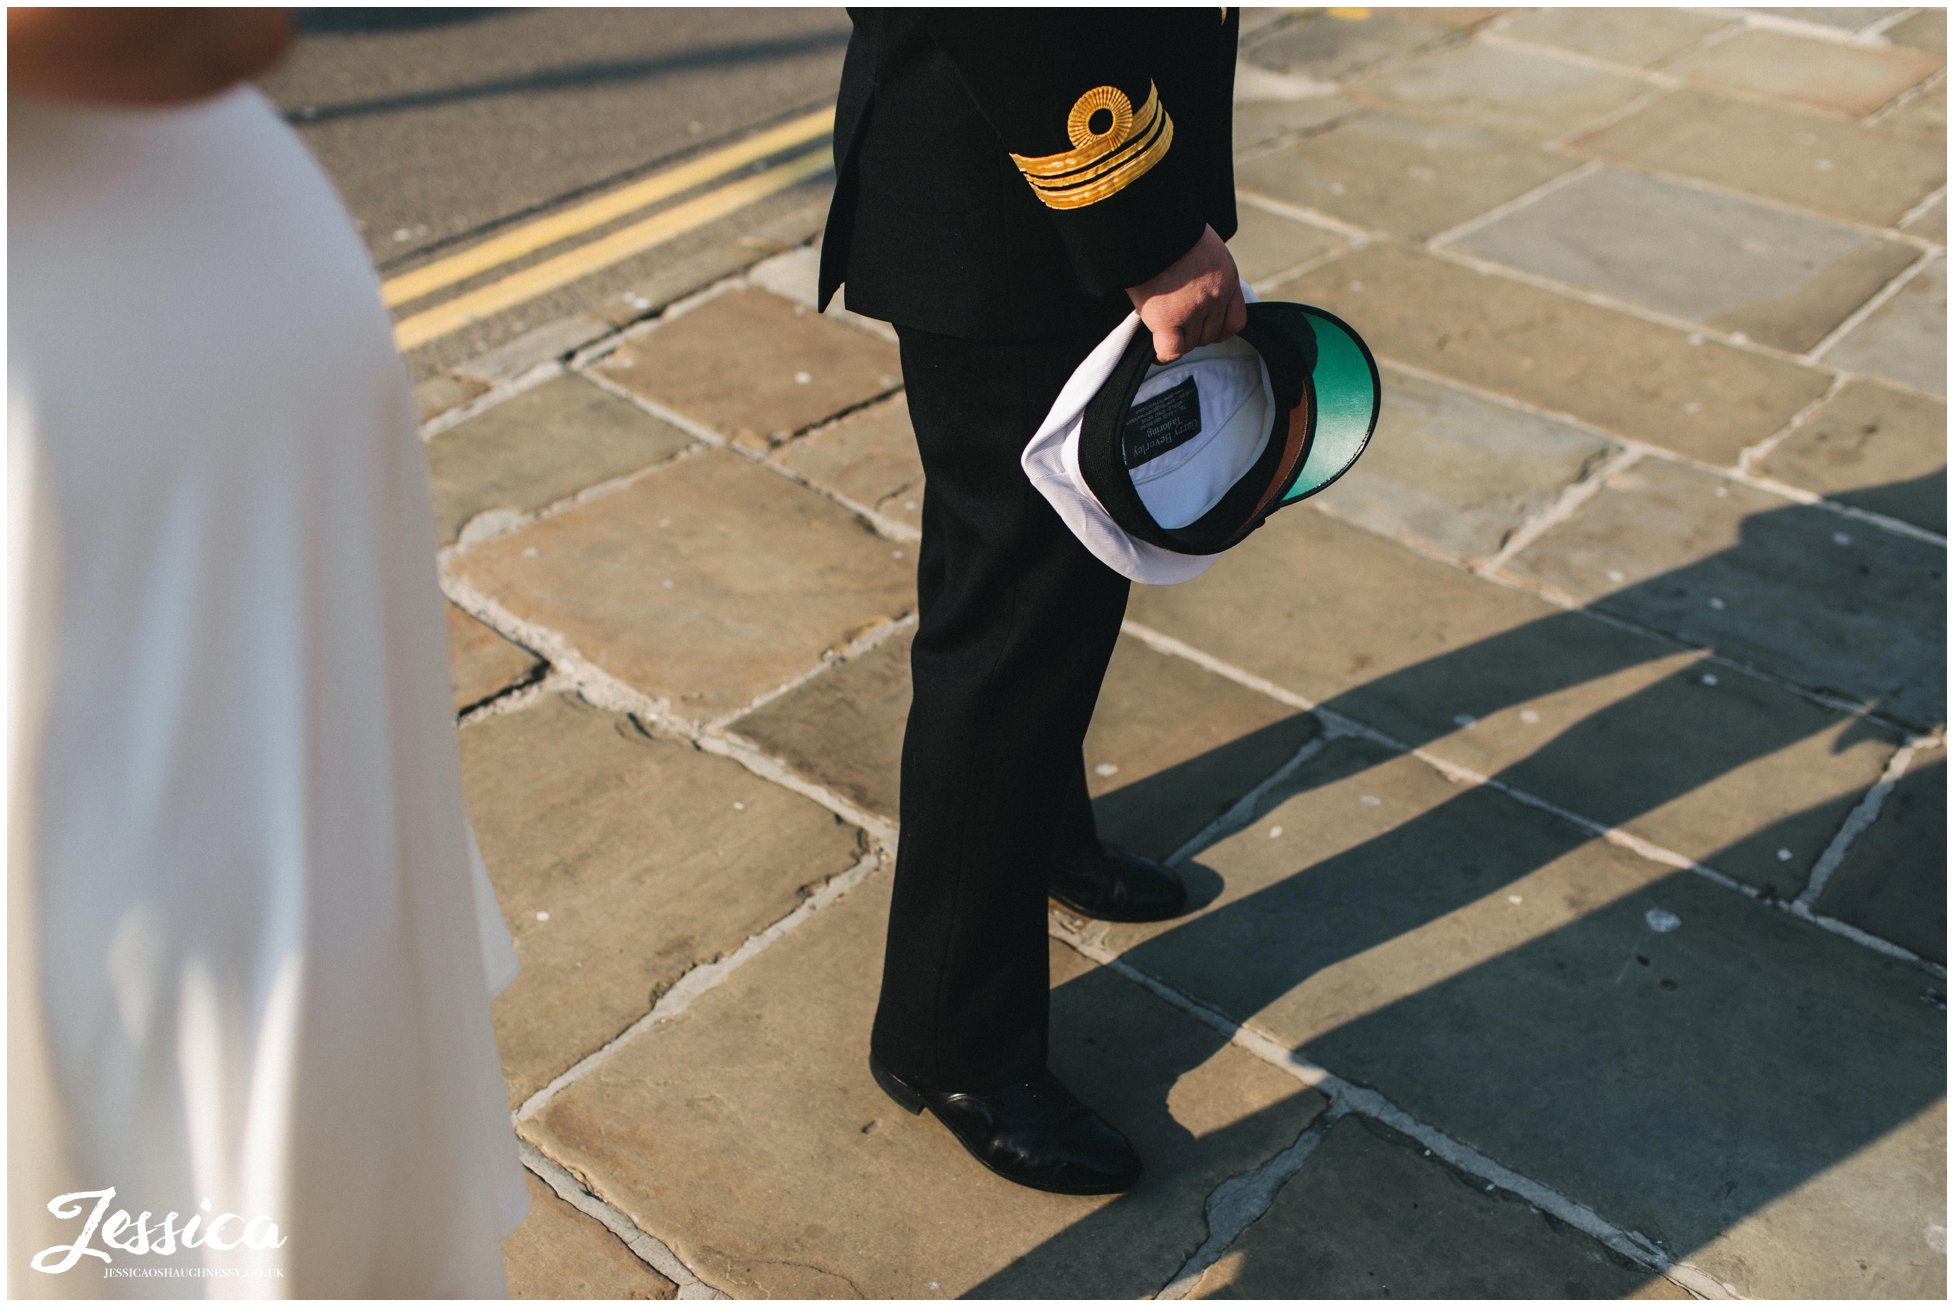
(527, 239)
(412, 332)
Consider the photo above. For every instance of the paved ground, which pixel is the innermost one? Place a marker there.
(1564, 793)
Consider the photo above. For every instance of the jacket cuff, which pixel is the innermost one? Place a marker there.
(1110, 255)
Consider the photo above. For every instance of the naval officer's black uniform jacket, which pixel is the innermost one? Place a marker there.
(1010, 172)
(1003, 177)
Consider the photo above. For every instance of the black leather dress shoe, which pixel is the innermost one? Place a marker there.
(1032, 1132)
(1109, 885)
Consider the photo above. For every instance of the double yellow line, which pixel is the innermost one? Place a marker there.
(431, 324)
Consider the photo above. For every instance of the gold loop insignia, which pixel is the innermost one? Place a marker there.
(1101, 163)
(1078, 124)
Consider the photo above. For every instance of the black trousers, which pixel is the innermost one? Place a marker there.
(1017, 623)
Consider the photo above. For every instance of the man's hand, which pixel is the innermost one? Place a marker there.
(1196, 301)
(139, 56)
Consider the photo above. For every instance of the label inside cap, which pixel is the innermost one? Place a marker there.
(1164, 422)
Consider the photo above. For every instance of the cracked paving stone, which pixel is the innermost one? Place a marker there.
(1172, 746)
(1847, 79)
(1733, 264)
(1875, 448)
(558, 1252)
(1754, 1094)
(539, 447)
(1830, 166)
(1805, 592)
(483, 664)
(1621, 373)
(622, 861)
(1612, 726)
(706, 583)
(747, 1135)
(1372, 1215)
(754, 367)
(1400, 174)
(867, 458)
(1893, 881)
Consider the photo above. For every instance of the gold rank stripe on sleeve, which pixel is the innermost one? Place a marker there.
(1103, 162)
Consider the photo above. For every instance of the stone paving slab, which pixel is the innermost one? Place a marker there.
(1904, 339)
(1846, 19)
(1724, 768)
(1922, 116)
(1266, 245)
(1373, 1215)
(1173, 746)
(482, 663)
(844, 727)
(1827, 165)
(1331, 46)
(551, 341)
(438, 395)
(1636, 37)
(791, 1175)
(1267, 110)
(1873, 447)
(1517, 92)
(1460, 473)
(1752, 1093)
(796, 274)
(1740, 266)
(1170, 749)
(1464, 18)
(541, 446)
(1849, 79)
(1610, 725)
(1930, 223)
(1402, 175)
(1800, 591)
(703, 364)
(707, 583)
(622, 861)
(1926, 30)
(1893, 881)
(1704, 399)
(558, 1252)
(868, 458)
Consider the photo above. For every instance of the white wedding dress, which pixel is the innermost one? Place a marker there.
(250, 942)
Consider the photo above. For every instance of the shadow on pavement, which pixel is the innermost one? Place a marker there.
(353, 22)
(579, 76)
(1677, 1080)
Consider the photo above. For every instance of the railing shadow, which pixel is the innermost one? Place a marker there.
(578, 76)
(1677, 1083)
(351, 22)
